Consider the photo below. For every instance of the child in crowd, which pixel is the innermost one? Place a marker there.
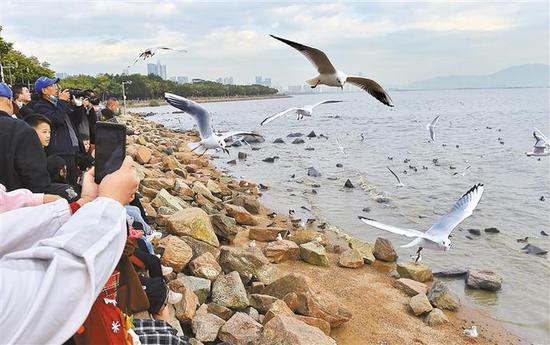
(42, 126)
(57, 169)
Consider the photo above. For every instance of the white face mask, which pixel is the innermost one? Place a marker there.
(52, 98)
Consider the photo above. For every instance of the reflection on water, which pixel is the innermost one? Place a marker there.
(486, 130)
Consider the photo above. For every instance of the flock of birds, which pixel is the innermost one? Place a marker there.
(437, 237)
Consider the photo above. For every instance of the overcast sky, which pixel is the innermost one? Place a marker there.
(394, 42)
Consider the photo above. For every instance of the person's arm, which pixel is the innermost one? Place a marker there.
(30, 161)
(48, 290)
(19, 198)
(22, 228)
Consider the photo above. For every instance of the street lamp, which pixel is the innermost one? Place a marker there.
(128, 82)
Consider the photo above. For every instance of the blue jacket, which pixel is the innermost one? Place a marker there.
(60, 140)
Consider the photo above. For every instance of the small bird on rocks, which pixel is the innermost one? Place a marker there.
(471, 332)
(279, 237)
(252, 244)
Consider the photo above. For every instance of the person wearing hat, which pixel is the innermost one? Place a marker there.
(65, 140)
(6, 96)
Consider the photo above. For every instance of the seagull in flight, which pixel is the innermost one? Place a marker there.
(149, 52)
(329, 75)
(431, 127)
(437, 236)
(340, 147)
(301, 112)
(399, 183)
(209, 139)
(464, 172)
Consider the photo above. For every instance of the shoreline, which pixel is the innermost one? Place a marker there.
(382, 315)
(145, 103)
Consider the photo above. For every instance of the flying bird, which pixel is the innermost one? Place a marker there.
(306, 110)
(340, 147)
(399, 183)
(431, 127)
(328, 75)
(149, 52)
(437, 236)
(209, 139)
(462, 173)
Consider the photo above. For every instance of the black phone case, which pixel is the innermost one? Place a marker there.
(107, 126)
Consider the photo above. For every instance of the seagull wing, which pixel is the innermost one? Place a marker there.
(431, 127)
(314, 55)
(372, 87)
(322, 102)
(546, 141)
(197, 112)
(276, 116)
(394, 174)
(395, 230)
(228, 135)
(461, 210)
(168, 48)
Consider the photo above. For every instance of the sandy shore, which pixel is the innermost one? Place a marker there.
(145, 103)
(380, 312)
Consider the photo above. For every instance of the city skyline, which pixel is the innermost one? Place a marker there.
(393, 43)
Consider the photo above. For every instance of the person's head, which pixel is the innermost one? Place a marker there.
(112, 103)
(6, 97)
(46, 87)
(41, 125)
(21, 93)
(86, 141)
(57, 168)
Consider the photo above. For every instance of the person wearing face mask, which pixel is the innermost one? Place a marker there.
(65, 141)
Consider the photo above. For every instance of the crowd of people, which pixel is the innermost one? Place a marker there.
(76, 259)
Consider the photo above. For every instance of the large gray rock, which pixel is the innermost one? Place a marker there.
(279, 251)
(410, 287)
(414, 271)
(366, 249)
(351, 258)
(164, 198)
(193, 222)
(384, 250)
(484, 280)
(314, 253)
(205, 266)
(200, 286)
(240, 329)
(247, 261)
(206, 327)
(176, 254)
(436, 317)
(228, 291)
(199, 247)
(289, 330)
(442, 297)
(420, 304)
(224, 226)
(262, 302)
(250, 203)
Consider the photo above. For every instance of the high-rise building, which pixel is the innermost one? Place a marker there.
(61, 75)
(267, 82)
(161, 70)
(152, 69)
(259, 80)
(228, 81)
(182, 80)
(219, 80)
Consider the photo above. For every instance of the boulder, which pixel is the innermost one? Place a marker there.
(199, 286)
(170, 162)
(185, 309)
(315, 322)
(279, 141)
(193, 222)
(159, 183)
(314, 254)
(492, 230)
(163, 198)
(484, 280)
(290, 330)
(475, 232)
(245, 260)
(220, 311)
(436, 317)
(143, 154)
(261, 302)
(305, 236)
(366, 249)
(201, 189)
(206, 327)
(176, 254)
(228, 291)
(420, 304)
(410, 287)
(348, 184)
(205, 266)
(284, 250)
(294, 135)
(384, 250)
(200, 247)
(351, 258)
(213, 187)
(265, 234)
(451, 273)
(224, 226)
(250, 203)
(241, 215)
(311, 134)
(532, 249)
(278, 307)
(184, 191)
(415, 271)
(240, 329)
(442, 297)
(298, 141)
(311, 171)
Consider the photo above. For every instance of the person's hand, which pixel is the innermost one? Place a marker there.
(89, 188)
(122, 184)
(77, 101)
(64, 95)
(50, 198)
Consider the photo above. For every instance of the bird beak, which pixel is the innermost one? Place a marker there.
(342, 87)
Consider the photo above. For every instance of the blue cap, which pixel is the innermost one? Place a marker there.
(5, 91)
(43, 82)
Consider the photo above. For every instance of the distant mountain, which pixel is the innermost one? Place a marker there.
(531, 75)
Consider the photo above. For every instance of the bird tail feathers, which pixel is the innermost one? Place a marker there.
(313, 82)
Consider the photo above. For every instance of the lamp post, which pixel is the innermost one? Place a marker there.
(128, 82)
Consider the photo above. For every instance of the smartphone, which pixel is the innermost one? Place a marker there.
(110, 149)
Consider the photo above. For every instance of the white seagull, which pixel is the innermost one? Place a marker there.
(471, 332)
(341, 147)
(464, 172)
(399, 183)
(542, 144)
(306, 110)
(431, 127)
(437, 236)
(209, 139)
(149, 52)
(328, 75)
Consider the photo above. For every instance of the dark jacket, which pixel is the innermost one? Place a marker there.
(22, 158)
(22, 112)
(87, 117)
(107, 114)
(60, 141)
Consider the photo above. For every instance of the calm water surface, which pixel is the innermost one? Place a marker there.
(472, 119)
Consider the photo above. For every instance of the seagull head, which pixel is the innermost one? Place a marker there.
(446, 244)
(341, 79)
(222, 145)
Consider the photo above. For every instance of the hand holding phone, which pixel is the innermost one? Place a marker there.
(110, 151)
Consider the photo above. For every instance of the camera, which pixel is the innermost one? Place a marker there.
(89, 94)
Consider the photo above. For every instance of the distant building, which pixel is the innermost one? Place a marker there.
(295, 89)
(152, 69)
(258, 80)
(219, 80)
(62, 75)
(267, 82)
(157, 69)
(182, 80)
(161, 70)
(197, 80)
(228, 81)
